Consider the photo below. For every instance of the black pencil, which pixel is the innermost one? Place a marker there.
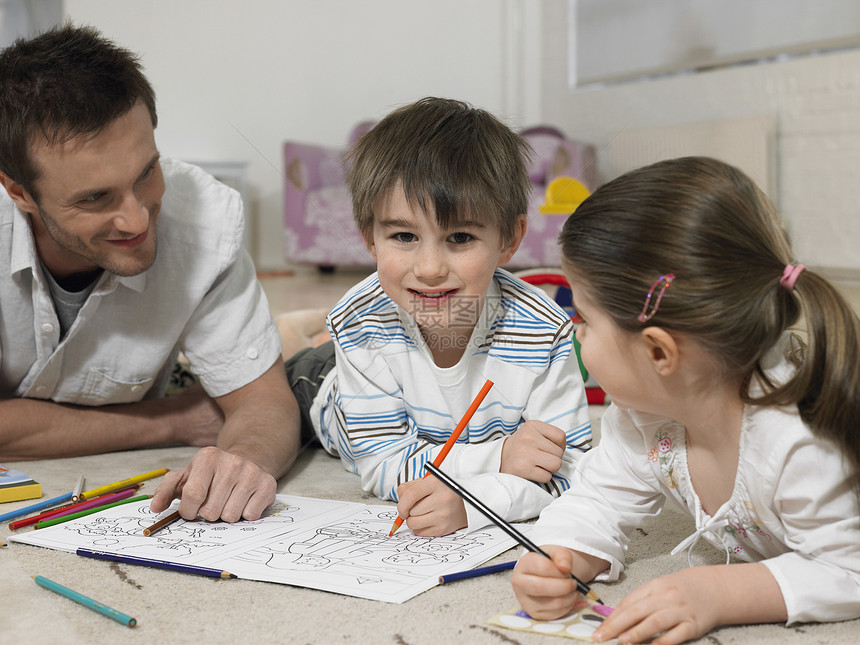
(584, 589)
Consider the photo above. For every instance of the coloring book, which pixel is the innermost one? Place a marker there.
(336, 546)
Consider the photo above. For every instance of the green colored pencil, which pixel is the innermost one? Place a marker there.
(85, 601)
(89, 511)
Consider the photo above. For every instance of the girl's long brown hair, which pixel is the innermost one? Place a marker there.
(707, 222)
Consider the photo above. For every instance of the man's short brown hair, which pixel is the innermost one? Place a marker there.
(67, 82)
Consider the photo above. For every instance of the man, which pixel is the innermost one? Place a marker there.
(113, 261)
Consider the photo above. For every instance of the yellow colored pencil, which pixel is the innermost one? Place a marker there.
(123, 484)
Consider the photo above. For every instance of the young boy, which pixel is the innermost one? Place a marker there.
(439, 193)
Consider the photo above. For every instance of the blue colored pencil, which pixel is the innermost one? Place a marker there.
(158, 564)
(85, 601)
(38, 506)
(475, 573)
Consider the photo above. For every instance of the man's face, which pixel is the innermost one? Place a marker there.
(99, 199)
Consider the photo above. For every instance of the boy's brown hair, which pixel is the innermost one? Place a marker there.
(451, 159)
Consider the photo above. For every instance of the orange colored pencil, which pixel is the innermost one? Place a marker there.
(452, 439)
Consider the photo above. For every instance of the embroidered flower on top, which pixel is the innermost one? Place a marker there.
(665, 455)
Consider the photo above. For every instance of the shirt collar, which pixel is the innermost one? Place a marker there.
(23, 246)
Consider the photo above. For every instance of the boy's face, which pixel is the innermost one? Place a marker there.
(439, 276)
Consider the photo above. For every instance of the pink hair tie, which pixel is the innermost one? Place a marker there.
(789, 275)
(665, 280)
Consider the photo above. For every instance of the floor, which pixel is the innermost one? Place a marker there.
(306, 287)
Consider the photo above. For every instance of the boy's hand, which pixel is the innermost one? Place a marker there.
(680, 606)
(534, 451)
(544, 587)
(430, 507)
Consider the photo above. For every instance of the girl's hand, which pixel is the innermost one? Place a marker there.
(689, 603)
(544, 587)
(680, 606)
(430, 507)
(534, 451)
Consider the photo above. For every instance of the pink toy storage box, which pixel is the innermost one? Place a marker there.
(318, 223)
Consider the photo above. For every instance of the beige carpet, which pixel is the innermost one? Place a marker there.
(179, 608)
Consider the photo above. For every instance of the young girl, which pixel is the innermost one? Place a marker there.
(688, 291)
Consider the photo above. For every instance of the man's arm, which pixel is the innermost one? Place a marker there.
(35, 429)
(259, 442)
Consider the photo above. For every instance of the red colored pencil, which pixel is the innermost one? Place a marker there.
(452, 439)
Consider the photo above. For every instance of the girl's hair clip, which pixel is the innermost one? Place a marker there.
(664, 280)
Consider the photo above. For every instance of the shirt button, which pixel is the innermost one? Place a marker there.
(135, 388)
(41, 389)
(47, 328)
(252, 353)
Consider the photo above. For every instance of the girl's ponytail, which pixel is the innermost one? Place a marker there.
(825, 385)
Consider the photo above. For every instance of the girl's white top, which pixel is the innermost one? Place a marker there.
(791, 508)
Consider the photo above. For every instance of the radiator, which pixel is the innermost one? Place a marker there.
(749, 144)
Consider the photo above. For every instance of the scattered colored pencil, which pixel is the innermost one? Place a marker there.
(160, 524)
(475, 573)
(125, 483)
(158, 564)
(85, 601)
(96, 502)
(79, 488)
(73, 516)
(17, 524)
(584, 589)
(452, 439)
(38, 506)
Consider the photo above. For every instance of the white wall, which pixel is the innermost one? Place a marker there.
(235, 79)
(816, 103)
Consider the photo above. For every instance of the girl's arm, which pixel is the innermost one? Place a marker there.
(689, 603)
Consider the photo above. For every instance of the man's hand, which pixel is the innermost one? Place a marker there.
(430, 507)
(259, 442)
(217, 484)
(534, 451)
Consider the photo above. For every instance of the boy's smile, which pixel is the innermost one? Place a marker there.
(438, 276)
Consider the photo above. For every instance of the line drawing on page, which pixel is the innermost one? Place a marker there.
(330, 545)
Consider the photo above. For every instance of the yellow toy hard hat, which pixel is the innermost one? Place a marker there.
(563, 195)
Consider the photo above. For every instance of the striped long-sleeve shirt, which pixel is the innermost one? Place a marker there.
(387, 409)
